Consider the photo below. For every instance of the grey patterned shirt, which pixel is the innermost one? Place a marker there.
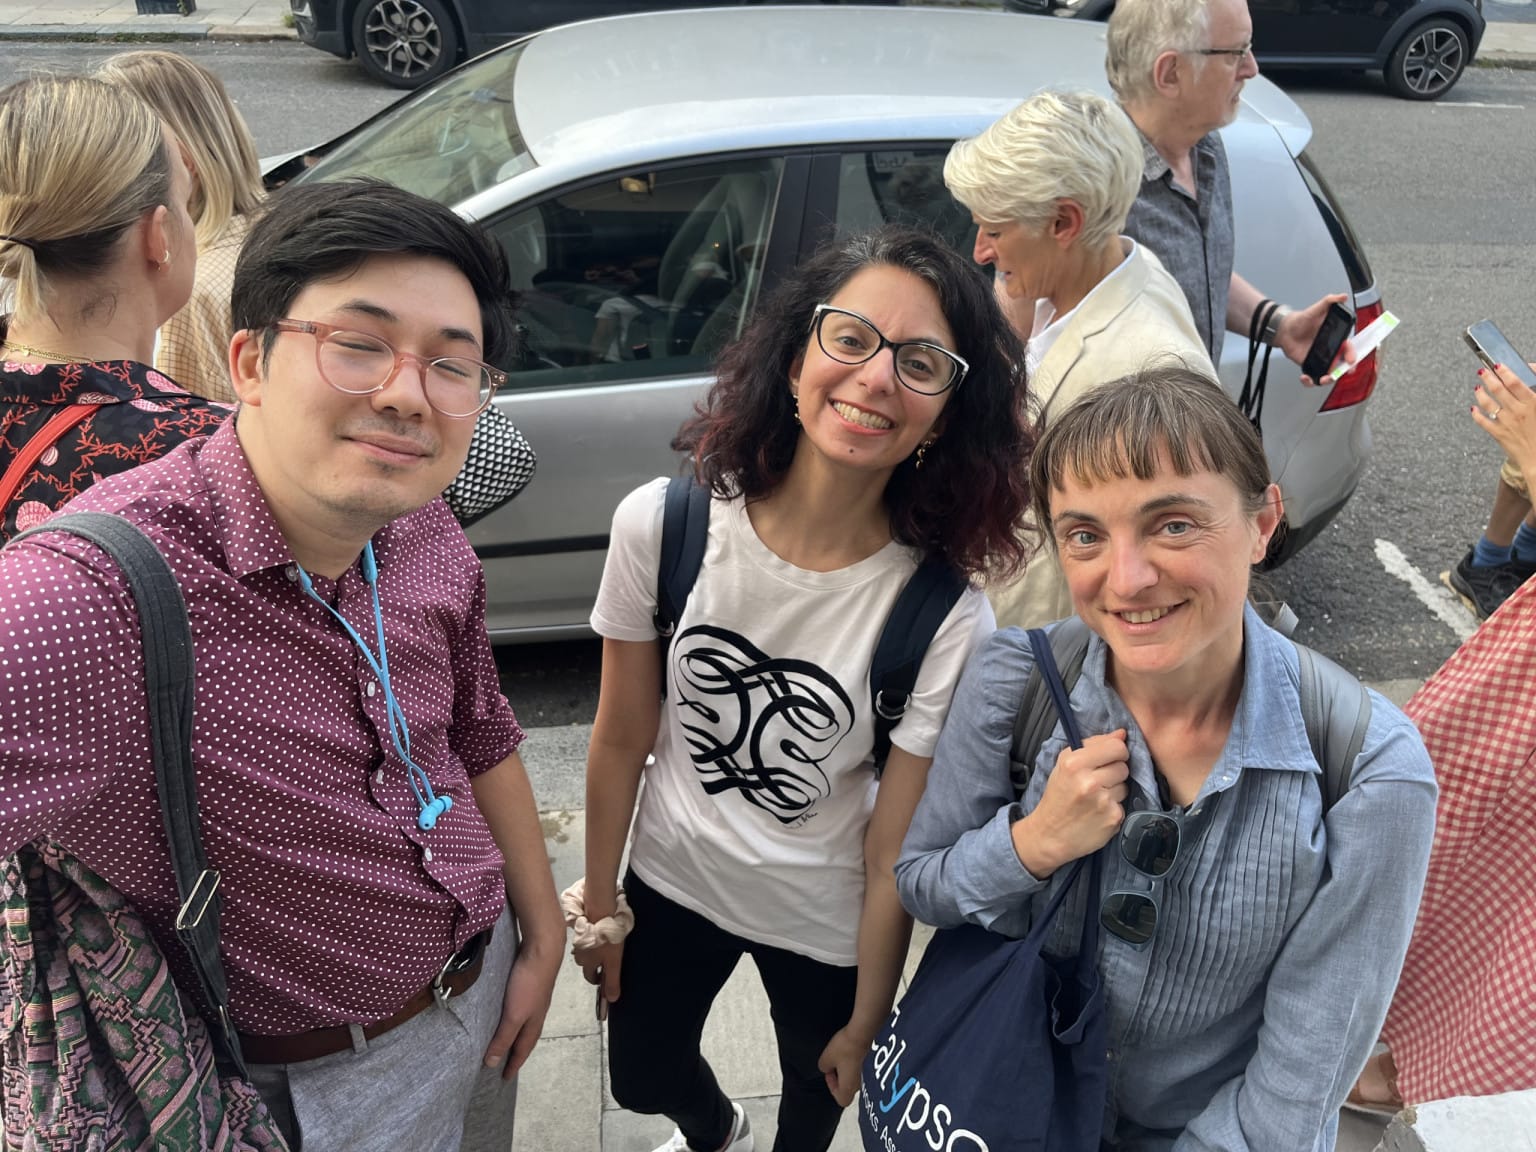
(1192, 236)
(1280, 934)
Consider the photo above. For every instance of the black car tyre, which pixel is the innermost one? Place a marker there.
(405, 43)
(1428, 60)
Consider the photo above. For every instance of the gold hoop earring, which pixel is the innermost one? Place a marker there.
(922, 451)
(164, 260)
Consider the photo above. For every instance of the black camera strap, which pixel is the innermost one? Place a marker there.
(1251, 401)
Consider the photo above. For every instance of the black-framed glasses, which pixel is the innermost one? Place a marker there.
(360, 365)
(1236, 55)
(1149, 843)
(850, 338)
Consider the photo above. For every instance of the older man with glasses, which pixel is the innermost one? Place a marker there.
(390, 927)
(1178, 67)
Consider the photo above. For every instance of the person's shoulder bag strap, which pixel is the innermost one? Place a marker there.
(1335, 707)
(1034, 722)
(32, 451)
(921, 607)
(684, 534)
(1337, 710)
(169, 677)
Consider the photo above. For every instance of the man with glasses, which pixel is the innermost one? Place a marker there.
(1178, 67)
(390, 929)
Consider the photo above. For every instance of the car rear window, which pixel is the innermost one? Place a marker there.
(449, 142)
(1344, 238)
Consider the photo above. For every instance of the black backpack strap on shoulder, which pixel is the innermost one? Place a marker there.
(1336, 709)
(1036, 718)
(933, 590)
(684, 533)
(169, 677)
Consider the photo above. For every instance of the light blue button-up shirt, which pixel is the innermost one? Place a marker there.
(1281, 931)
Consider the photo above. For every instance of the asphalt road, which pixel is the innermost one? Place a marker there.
(1440, 194)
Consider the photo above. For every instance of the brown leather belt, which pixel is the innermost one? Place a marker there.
(455, 978)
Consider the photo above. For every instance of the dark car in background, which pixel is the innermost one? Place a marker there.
(1421, 47)
(408, 43)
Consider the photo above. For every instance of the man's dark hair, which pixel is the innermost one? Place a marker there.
(325, 231)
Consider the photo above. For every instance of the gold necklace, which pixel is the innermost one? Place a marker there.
(43, 353)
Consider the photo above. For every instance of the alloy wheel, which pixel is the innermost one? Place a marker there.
(1433, 62)
(403, 38)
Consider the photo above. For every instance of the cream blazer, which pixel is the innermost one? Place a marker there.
(1134, 319)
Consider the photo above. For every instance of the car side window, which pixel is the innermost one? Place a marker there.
(637, 275)
(900, 186)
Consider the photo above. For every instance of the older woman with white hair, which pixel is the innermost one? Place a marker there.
(1050, 186)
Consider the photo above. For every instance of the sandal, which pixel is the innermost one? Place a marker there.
(1358, 1101)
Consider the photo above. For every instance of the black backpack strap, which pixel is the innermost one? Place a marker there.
(168, 678)
(1036, 718)
(1336, 709)
(684, 533)
(922, 606)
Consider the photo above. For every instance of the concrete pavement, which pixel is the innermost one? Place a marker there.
(1506, 44)
(119, 19)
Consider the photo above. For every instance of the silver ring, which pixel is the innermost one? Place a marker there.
(1494, 415)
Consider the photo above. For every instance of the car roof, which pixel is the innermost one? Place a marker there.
(694, 82)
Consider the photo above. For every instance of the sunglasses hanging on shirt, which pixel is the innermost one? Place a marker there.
(431, 805)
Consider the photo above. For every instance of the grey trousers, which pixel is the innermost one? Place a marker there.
(420, 1086)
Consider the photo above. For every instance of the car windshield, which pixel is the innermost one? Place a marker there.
(449, 142)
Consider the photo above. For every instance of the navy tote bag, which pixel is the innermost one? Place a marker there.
(996, 1047)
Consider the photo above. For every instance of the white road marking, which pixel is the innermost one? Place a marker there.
(1445, 606)
(1476, 104)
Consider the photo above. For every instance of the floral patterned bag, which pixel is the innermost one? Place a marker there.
(102, 1051)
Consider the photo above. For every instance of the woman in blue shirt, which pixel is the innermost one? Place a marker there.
(1247, 979)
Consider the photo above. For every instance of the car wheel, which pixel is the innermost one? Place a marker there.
(1428, 60)
(404, 43)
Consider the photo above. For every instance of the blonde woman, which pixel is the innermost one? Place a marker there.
(1050, 186)
(96, 252)
(226, 192)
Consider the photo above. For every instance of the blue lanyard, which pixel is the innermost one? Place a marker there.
(432, 806)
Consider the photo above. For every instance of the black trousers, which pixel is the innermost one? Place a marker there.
(675, 963)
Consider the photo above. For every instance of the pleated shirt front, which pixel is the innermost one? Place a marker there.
(1281, 928)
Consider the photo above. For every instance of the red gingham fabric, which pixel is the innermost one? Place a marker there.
(1463, 1021)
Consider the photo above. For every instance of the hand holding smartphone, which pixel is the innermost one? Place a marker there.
(1337, 324)
(1493, 348)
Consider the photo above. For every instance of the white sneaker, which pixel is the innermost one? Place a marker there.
(740, 1138)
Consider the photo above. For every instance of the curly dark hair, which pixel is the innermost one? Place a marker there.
(968, 503)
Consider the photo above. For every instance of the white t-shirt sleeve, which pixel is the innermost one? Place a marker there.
(626, 600)
(969, 622)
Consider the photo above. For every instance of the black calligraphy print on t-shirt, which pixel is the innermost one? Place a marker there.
(757, 724)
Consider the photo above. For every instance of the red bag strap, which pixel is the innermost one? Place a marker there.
(49, 435)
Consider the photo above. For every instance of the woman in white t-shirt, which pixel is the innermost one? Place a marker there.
(835, 469)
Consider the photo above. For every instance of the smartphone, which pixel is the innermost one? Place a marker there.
(1331, 334)
(1493, 348)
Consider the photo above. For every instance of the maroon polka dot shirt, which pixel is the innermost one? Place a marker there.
(337, 907)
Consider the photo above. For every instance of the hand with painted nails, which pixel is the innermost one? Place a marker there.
(1506, 410)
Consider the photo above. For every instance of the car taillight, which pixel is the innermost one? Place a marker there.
(1356, 385)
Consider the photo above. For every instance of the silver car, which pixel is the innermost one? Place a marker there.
(651, 175)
